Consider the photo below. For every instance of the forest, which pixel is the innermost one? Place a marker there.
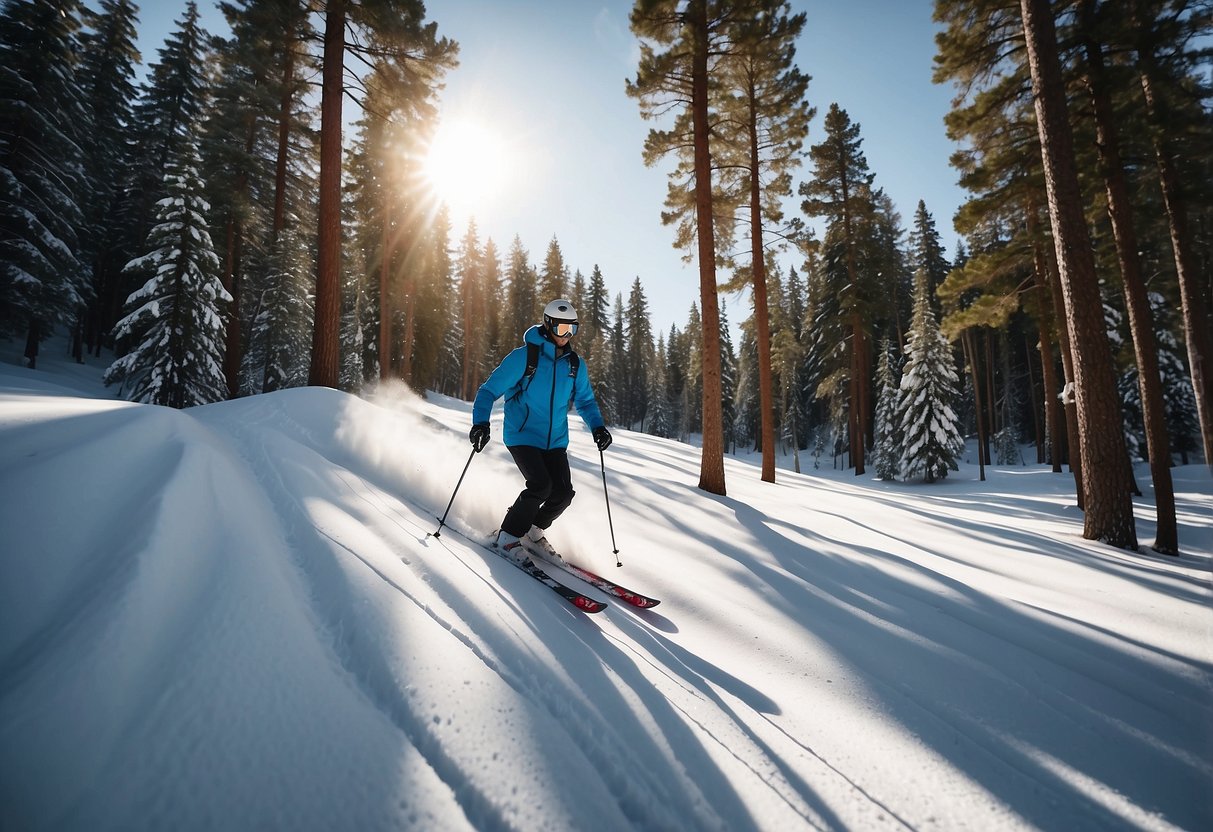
(219, 231)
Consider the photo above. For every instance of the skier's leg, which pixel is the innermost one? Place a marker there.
(521, 516)
(556, 463)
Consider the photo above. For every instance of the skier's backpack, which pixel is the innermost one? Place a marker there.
(532, 361)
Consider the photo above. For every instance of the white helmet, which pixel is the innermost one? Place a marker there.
(557, 313)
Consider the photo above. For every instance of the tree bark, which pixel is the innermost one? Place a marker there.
(1108, 514)
(385, 299)
(761, 314)
(1141, 321)
(711, 465)
(970, 350)
(1194, 311)
(326, 337)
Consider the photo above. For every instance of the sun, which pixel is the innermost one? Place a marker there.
(467, 166)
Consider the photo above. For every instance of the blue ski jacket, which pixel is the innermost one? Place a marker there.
(537, 409)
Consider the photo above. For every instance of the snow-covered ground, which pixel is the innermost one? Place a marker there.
(236, 617)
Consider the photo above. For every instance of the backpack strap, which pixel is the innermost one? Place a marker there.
(532, 361)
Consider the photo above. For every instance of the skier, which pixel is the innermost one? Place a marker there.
(540, 380)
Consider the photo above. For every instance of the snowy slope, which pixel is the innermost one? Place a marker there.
(235, 617)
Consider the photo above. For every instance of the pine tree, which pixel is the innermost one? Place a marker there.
(43, 190)
(620, 404)
(284, 325)
(931, 437)
(392, 37)
(767, 119)
(1108, 508)
(554, 279)
(841, 191)
(678, 81)
(108, 59)
(174, 323)
(522, 292)
(886, 454)
(639, 348)
(659, 417)
(256, 134)
(167, 116)
(926, 250)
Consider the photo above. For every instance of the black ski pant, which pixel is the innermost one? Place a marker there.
(548, 492)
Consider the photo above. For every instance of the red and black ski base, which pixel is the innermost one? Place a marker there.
(597, 581)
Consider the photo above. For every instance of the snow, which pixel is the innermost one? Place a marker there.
(236, 616)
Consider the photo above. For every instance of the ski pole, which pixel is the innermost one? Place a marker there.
(611, 525)
(442, 521)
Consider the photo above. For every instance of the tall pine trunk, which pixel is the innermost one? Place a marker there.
(326, 345)
(1108, 513)
(385, 299)
(1046, 259)
(1194, 311)
(1141, 321)
(761, 314)
(711, 465)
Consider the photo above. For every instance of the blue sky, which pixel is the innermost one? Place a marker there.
(548, 79)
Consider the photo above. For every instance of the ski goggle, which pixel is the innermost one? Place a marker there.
(564, 329)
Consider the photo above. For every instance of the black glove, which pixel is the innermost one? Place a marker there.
(602, 438)
(479, 436)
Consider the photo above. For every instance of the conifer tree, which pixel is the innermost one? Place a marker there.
(391, 36)
(926, 250)
(639, 347)
(522, 293)
(658, 422)
(766, 119)
(43, 190)
(168, 116)
(677, 81)
(930, 431)
(283, 328)
(554, 278)
(886, 453)
(840, 190)
(620, 404)
(497, 341)
(1108, 508)
(473, 311)
(1183, 425)
(107, 72)
(173, 329)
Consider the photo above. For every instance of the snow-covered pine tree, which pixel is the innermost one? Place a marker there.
(174, 324)
(886, 455)
(930, 430)
(43, 188)
(355, 305)
(283, 328)
(167, 116)
(658, 422)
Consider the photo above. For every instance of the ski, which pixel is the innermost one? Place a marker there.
(598, 582)
(582, 602)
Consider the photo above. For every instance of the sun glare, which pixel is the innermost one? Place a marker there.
(467, 166)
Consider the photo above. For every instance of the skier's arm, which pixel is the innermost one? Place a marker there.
(507, 374)
(583, 398)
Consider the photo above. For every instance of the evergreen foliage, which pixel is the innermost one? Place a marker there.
(931, 439)
(44, 193)
(886, 452)
(173, 328)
